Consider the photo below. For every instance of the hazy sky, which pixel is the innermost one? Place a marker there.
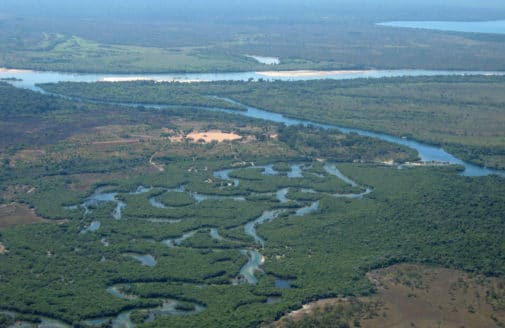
(281, 8)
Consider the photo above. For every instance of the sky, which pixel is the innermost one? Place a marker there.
(222, 9)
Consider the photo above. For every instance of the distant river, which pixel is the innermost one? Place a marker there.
(491, 27)
(28, 79)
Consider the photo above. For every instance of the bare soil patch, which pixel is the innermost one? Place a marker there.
(419, 296)
(15, 214)
(84, 181)
(16, 190)
(214, 135)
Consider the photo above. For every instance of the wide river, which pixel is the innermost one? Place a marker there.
(427, 152)
(31, 78)
(490, 27)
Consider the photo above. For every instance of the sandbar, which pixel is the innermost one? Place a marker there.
(14, 71)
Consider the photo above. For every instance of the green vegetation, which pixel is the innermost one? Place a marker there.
(438, 110)
(315, 43)
(74, 54)
(144, 92)
(67, 271)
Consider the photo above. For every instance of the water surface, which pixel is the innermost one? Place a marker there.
(31, 78)
(491, 27)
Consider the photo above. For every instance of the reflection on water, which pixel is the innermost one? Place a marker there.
(307, 209)
(94, 226)
(140, 190)
(282, 283)
(174, 242)
(225, 175)
(214, 234)
(147, 260)
(296, 171)
(250, 268)
(281, 195)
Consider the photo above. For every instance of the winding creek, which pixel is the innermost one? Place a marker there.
(248, 273)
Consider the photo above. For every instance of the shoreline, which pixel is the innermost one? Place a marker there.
(4, 70)
(309, 73)
(118, 79)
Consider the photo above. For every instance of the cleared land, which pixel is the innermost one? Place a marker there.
(214, 135)
(17, 214)
(415, 296)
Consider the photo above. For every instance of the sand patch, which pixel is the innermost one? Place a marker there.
(14, 71)
(2, 248)
(309, 73)
(15, 214)
(215, 135)
(418, 296)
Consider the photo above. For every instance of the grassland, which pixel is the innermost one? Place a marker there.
(74, 54)
(411, 296)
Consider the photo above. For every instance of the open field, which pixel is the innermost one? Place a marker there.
(17, 214)
(412, 296)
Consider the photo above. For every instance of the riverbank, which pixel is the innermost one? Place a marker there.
(4, 70)
(143, 78)
(310, 73)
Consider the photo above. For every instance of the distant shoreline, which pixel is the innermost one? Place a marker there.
(14, 71)
(140, 78)
(309, 73)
